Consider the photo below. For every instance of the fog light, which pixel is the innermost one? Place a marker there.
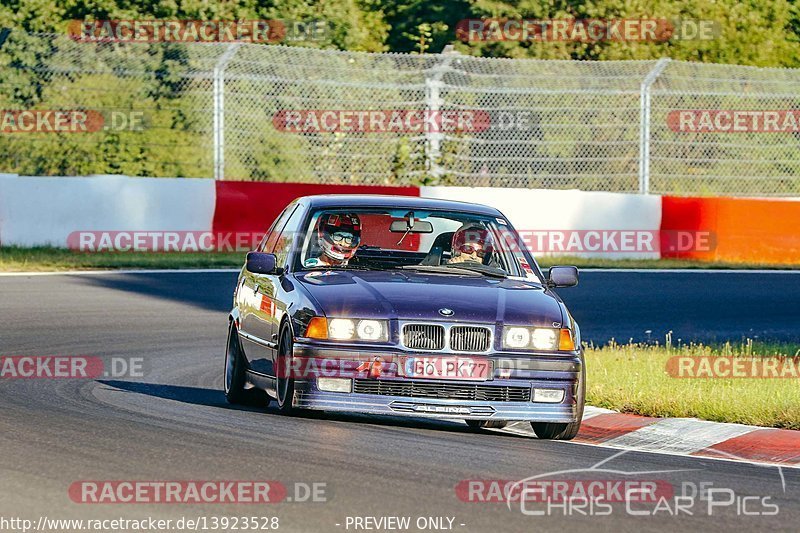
(548, 395)
(334, 384)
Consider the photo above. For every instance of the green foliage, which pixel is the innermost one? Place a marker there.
(760, 33)
(424, 37)
(753, 32)
(410, 18)
(355, 24)
(171, 87)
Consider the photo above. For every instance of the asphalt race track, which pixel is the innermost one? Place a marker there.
(709, 306)
(172, 423)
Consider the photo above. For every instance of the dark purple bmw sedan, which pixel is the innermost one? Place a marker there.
(409, 307)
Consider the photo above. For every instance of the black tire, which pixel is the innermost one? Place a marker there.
(234, 378)
(285, 385)
(556, 431)
(487, 424)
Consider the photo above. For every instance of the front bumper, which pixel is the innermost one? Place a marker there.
(494, 399)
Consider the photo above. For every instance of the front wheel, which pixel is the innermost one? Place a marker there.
(235, 379)
(556, 431)
(285, 384)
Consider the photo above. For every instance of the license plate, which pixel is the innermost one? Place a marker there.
(471, 368)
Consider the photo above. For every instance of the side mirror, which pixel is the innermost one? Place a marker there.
(261, 263)
(562, 276)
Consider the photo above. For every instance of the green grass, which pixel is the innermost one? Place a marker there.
(632, 378)
(581, 262)
(43, 258)
(54, 259)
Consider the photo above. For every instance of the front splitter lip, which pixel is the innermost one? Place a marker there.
(375, 404)
(545, 371)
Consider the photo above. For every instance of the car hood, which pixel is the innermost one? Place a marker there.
(421, 296)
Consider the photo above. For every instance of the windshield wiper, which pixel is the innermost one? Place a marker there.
(459, 268)
(341, 267)
(436, 269)
(480, 269)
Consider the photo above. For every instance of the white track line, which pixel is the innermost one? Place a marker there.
(731, 459)
(589, 411)
(633, 444)
(679, 435)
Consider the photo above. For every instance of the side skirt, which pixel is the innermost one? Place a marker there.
(260, 381)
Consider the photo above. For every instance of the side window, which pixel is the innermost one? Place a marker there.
(290, 236)
(268, 243)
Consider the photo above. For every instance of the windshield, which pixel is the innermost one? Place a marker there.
(431, 241)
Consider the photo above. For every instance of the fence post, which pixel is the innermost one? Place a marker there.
(433, 103)
(644, 124)
(219, 110)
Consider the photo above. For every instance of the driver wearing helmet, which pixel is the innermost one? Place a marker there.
(338, 238)
(471, 243)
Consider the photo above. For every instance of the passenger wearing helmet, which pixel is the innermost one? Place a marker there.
(472, 243)
(338, 237)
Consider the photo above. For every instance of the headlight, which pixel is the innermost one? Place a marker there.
(341, 329)
(346, 329)
(538, 339)
(517, 337)
(544, 339)
(370, 330)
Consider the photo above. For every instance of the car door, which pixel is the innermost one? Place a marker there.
(274, 297)
(255, 299)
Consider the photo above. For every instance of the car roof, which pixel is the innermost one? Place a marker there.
(395, 202)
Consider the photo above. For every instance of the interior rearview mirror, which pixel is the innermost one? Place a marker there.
(420, 226)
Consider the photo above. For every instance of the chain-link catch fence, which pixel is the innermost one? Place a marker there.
(212, 110)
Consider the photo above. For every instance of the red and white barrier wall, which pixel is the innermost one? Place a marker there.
(37, 211)
(566, 214)
(245, 206)
(744, 229)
